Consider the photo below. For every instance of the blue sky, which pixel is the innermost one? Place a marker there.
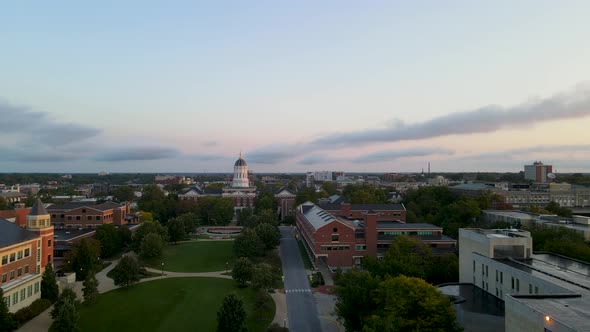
(139, 86)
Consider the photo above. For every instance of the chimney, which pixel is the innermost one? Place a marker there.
(371, 233)
(345, 209)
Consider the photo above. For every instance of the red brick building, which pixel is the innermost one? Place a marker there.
(286, 202)
(18, 215)
(24, 254)
(344, 237)
(86, 215)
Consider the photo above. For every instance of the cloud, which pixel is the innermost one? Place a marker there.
(389, 155)
(274, 154)
(572, 105)
(39, 128)
(31, 155)
(210, 143)
(317, 159)
(205, 157)
(517, 154)
(137, 153)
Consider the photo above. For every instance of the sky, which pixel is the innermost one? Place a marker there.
(356, 86)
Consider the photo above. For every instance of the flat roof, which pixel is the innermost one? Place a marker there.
(69, 234)
(401, 225)
(573, 312)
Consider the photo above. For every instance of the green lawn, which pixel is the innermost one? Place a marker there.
(175, 304)
(205, 256)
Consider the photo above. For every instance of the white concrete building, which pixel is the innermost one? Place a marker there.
(541, 292)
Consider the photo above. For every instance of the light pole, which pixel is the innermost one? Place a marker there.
(162, 268)
(226, 267)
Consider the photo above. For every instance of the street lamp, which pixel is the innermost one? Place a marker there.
(162, 268)
(226, 267)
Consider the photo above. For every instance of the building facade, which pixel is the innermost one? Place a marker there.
(86, 215)
(241, 191)
(24, 253)
(538, 172)
(344, 237)
(539, 291)
(286, 202)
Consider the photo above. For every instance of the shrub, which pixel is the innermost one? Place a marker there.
(26, 314)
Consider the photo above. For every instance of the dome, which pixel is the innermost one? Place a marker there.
(240, 162)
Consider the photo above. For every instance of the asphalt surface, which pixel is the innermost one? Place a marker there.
(301, 307)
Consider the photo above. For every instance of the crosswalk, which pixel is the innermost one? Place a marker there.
(300, 290)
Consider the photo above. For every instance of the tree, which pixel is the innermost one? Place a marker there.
(85, 259)
(411, 304)
(242, 271)
(248, 244)
(6, 320)
(4, 204)
(231, 317)
(124, 236)
(126, 272)
(265, 201)
(223, 211)
(90, 289)
(269, 234)
(109, 238)
(49, 288)
(406, 255)
(147, 228)
(151, 247)
(244, 216)
(355, 300)
(190, 221)
(65, 312)
(176, 230)
(124, 194)
(264, 276)
(330, 187)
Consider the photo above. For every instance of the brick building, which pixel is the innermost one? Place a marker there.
(87, 215)
(286, 202)
(24, 254)
(341, 238)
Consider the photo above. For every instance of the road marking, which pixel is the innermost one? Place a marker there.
(299, 290)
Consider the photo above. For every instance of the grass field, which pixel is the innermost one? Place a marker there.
(175, 304)
(205, 256)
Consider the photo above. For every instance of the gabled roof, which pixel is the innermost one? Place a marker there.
(76, 205)
(284, 190)
(11, 233)
(318, 217)
(38, 209)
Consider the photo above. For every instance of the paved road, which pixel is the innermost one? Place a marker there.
(301, 306)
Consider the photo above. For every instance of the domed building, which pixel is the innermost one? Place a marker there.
(241, 191)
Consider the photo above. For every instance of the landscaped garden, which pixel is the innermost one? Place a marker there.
(174, 304)
(205, 256)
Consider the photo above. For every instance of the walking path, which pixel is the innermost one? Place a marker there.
(43, 320)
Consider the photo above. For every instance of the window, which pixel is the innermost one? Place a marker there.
(83, 210)
(30, 291)
(501, 277)
(15, 298)
(22, 294)
(36, 287)
(38, 254)
(69, 217)
(53, 215)
(473, 266)
(335, 238)
(49, 258)
(12, 257)
(4, 259)
(512, 282)
(19, 272)
(530, 289)
(89, 217)
(4, 277)
(517, 285)
(7, 301)
(26, 269)
(49, 243)
(11, 275)
(483, 271)
(62, 216)
(77, 217)
(27, 252)
(536, 290)
(487, 271)
(497, 276)
(360, 247)
(97, 217)
(335, 230)
(19, 255)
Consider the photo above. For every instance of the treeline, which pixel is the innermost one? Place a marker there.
(561, 241)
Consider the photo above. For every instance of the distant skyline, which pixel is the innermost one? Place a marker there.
(184, 86)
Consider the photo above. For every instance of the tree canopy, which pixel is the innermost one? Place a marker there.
(126, 272)
(49, 288)
(231, 317)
